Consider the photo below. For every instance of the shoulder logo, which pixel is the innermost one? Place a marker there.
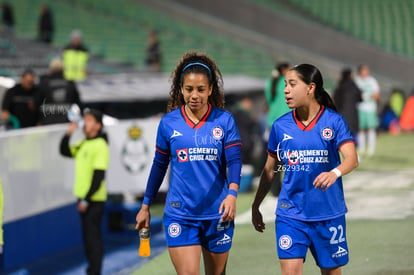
(218, 133)
(176, 134)
(327, 133)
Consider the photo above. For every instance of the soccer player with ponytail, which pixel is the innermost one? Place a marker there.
(305, 144)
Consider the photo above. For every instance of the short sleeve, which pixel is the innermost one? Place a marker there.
(375, 85)
(273, 141)
(162, 143)
(343, 134)
(101, 159)
(232, 136)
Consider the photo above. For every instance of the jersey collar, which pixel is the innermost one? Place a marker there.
(202, 120)
(308, 127)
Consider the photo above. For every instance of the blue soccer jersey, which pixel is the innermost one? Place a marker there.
(305, 152)
(198, 182)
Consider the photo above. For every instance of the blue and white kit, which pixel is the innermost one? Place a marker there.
(204, 159)
(308, 217)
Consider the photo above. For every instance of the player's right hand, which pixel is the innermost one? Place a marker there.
(143, 217)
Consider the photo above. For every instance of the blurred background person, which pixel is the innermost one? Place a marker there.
(247, 127)
(275, 98)
(91, 162)
(367, 111)
(397, 101)
(347, 95)
(274, 94)
(153, 58)
(56, 95)
(75, 58)
(7, 17)
(407, 115)
(45, 25)
(20, 101)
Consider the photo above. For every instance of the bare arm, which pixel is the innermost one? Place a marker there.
(265, 184)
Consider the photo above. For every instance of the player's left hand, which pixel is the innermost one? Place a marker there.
(228, 208)
(325, 180)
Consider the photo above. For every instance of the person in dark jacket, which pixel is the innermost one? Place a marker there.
(346, 97)
(19, 102)
(7, 16)
(153, 59)
(46, 25)
(56, 95)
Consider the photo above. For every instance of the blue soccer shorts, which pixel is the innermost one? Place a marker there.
(326, 240)
(214, 235)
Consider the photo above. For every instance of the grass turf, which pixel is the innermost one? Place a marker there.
(377, 247)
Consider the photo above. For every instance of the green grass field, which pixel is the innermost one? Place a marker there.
(377, 247)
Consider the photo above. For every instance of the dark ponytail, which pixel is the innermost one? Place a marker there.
(310, 74)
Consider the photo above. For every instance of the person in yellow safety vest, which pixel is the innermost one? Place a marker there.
(75, 58)
(91, 162)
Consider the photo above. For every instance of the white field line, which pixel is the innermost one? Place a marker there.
(375, 195)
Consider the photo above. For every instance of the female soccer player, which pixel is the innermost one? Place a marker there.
(304, 144)
(201, 141)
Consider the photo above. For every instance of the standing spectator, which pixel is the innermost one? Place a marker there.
(397, 101)
(7, 17)
(202, 143)
(75, 58)
(274, 94)
(310, 213)
(91, 162)
(275, 98)
(20, 101)
(247, 127)
(367, 111)
(347, 95)
(46, 25)
(56, 95)
(153, 59)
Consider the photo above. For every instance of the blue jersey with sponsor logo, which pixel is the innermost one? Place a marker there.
(198, 179)
(304, 153)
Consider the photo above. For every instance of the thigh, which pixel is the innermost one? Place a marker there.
(186, 259)
(214, 263)
(362, 119)
(92, 218)
(291, 266)
(292, 240)
(372, 120)
(329, 246)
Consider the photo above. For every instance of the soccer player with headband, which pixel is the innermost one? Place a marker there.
(201, 143)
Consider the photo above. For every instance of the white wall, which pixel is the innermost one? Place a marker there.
(36, 178)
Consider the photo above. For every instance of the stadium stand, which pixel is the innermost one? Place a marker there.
(117, 38)
(384, 24)
(105, 27)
